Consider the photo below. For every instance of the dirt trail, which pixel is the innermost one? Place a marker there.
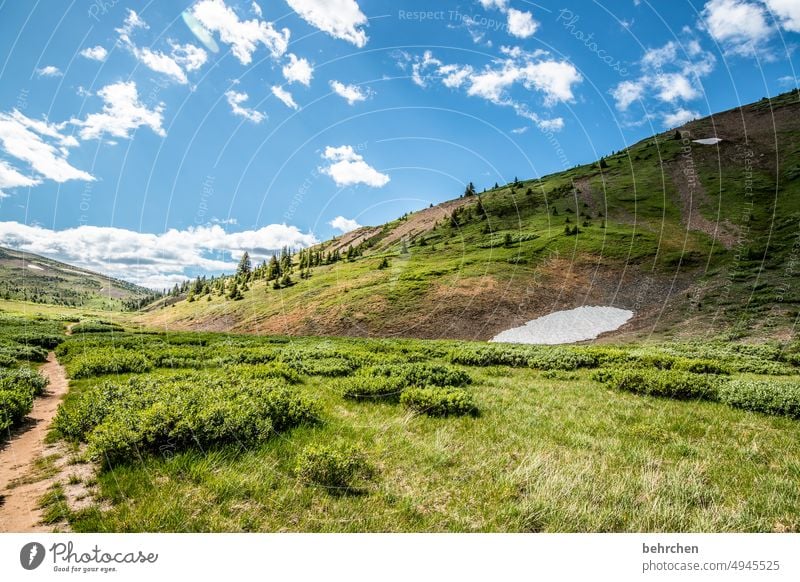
(19, 511)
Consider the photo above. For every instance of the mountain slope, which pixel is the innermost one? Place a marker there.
(28, 277)
(695, 239)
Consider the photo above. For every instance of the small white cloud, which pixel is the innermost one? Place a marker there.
(674, 86)
(348, 168)
(520, 130)
(343, 224)
(49, 71)
(738, 25)
(521, 24)
(256, 9)
(298, 70)
(235, 100)
(122, 113)
(490, 4)
(350, 93)
(285, 97)
(189, 56)
(42, 146)
(243, 36)
(96, 53)
(627, 93)
(679, 117)
(341, 19)
(10, 177)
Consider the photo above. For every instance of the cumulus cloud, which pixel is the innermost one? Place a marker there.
(152, 259)
(347, 168)
(49, 71)
(679, 117)
(521, 24)
(669, 74)
(343, 224)
(738, 25)
(10, 177)
(298, 70)
(243, 36)
(173, 64)
(341, 19)
(122, 113)
(350, 93)
(41, 145)
(534, 71)
(787, 13)
(95, 53)
(285, 97)
(236, 99)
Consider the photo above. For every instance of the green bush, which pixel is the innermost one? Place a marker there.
(96, 327)
(421, 374)
(18, 388)
(562, 359)
(121, 421)
(666, 383)
(780, 398)
(371, 388)
(325, 366)
(435, 401)
(340, 467)
(108, 361)
(490, 356)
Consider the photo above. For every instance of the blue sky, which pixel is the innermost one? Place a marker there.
(157, 140)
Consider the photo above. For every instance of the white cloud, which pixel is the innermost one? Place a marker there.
(679, 117)
(10, 177)
(285, 97)
(626, 93)
(344, 224)
(348, 168)
(351, 93)
(49, 71)
(788, 13)
(298, 70)
(520, 130)
(235, 100)
(738, 25)
(341, 19)
(181, 58)
(41, 145)
(243, 36)
(150, 259)
(489, 4)
(122, 113)
(96, 53)
(256, 9)
(521, 24)
(674, 86)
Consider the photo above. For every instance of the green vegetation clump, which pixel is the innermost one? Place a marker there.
(108, 361)
(96, 327)
(665, 383)
(122, 421)
(418, 374)
(18, 388)
(779, 398)
(439, 401)
(340, 467)
(363, 387)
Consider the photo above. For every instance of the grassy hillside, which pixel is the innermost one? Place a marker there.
(217, 432)
(35, 279)
(695, 239)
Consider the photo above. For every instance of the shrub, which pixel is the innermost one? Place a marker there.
(422, 374)
(96, 327)
(18, 388)
(670, 384)
(120, 421)
(561, 359)
(372, 388)
(780, 398)
(108, 361)
(340, 466)
(435, 401)
(490, 356)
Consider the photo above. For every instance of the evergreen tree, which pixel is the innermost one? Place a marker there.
(245, 267)
(470, 190)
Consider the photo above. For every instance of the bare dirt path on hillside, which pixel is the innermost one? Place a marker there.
(19, 497)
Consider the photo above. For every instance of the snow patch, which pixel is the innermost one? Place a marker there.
(35, 267)
(707, 141)
(565, 327)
